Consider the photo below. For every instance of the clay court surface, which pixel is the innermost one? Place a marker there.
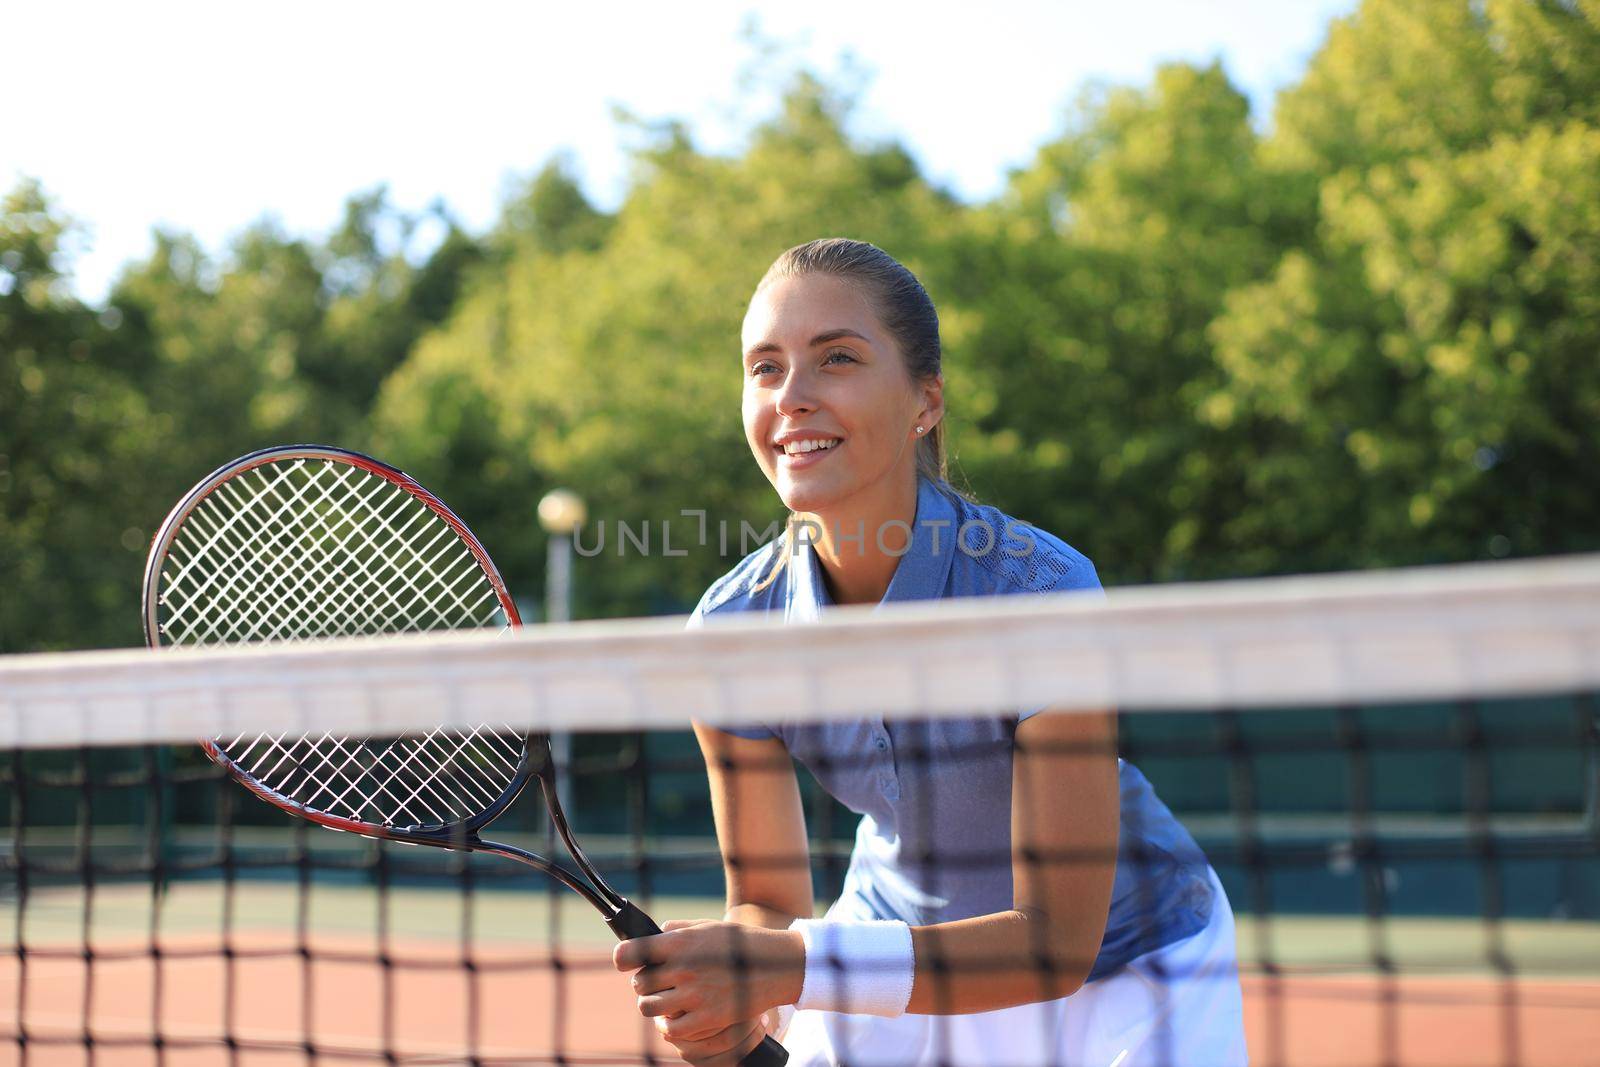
(1326, 1008)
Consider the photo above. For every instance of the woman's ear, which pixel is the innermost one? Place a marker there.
(932, 390)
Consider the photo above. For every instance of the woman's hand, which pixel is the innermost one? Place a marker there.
(706, 982)
(726, 1048)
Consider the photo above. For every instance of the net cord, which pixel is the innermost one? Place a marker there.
(1428, 634)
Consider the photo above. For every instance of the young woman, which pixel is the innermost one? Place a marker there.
(1016, 894)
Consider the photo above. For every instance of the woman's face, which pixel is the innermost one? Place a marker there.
(830, 409)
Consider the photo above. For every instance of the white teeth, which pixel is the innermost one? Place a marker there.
(795, 448)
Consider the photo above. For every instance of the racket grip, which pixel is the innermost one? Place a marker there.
(629, 922)
(767, 1054)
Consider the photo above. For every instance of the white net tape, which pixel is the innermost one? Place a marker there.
(1439, 633)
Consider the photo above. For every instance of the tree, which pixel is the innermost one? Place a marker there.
(613, 368)
(106, 418)
(1430, 386)
(1192, 348)
(71, 438)
(1420, 377)
(1079, 330)
(552, 213)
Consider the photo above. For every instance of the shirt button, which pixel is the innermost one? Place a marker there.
(883, 744)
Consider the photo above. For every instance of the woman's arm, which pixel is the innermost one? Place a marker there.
(710, 985)
(761, 828)
(1065, 802)
(1064, 826)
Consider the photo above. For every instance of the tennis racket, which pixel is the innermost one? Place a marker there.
(304, 542)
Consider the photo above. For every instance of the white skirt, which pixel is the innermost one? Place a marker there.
(1176, 1007)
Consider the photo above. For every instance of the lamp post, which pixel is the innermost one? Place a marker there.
(561, 512)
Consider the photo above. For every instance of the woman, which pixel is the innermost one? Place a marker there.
(1016, 894)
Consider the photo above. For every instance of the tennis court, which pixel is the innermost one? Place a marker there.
(1323, 1006)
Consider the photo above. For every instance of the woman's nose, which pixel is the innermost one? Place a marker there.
(795, 396)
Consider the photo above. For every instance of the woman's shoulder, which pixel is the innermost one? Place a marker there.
(1015, 556)
(742, 589)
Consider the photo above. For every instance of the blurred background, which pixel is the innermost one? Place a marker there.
(1227, 289)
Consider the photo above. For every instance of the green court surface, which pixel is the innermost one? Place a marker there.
(120, 914)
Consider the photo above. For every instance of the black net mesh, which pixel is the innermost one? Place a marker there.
(1413, 878)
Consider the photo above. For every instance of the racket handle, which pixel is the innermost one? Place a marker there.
(629, 922)
(767, 1054)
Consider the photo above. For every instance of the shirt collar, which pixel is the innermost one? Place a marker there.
(921, 574)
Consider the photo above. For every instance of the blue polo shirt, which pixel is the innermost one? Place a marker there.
(934, 842)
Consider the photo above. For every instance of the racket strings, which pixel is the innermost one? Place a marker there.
(440, 778)
(311, 549)
(243, 565)
(258, 550)
(311, 579)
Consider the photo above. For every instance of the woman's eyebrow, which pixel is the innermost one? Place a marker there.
(820, 339)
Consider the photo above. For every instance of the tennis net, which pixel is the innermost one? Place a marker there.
(1394, 775)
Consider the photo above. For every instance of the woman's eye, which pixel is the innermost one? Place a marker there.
(837, 356)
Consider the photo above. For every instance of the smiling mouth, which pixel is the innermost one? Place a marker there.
(810, 455)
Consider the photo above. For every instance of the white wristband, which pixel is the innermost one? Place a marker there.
(860, 968)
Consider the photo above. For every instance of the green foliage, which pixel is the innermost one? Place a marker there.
(1433, 378)
(1078, 344)
(614, 369)
(552, 214)
(1366, 336)
(105, 419)
(70, 410)
(1402, 78)
(1420, 376)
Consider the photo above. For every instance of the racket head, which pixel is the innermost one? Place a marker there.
(308, 542)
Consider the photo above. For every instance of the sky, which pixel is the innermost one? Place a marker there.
(204, 117)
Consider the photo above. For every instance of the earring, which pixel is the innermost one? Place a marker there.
(919, 429)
